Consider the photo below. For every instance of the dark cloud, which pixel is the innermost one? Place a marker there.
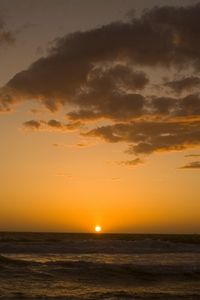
(78, 145)
(32, 124)
(175, 107)
(109, 93)
(131, 106)
(163, 106)
(148, 137)
(192, 165)
(189, 105)
(99, 74)
(6, 37)
(184, 84)
(7, 100)
(120, 106)
(51, 125)
(131, 163)
(55, 123)
(162, 36)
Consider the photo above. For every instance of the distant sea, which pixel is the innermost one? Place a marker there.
(99, 266)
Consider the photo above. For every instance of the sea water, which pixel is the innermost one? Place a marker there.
(99, 266)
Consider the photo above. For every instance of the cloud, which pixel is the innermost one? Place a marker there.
(163, 36)
(79, 145)
(184, 84)
(131, 163)
(116, 178)
(189, 105)
(7, 100)
(149, 137)
(105, 74)
(110, 92)
(32, 124)
(35, 111)
(118, 107)
(163, 106)
(192, 165)
(192, 155)
(6, 37)
(175, 107)
(82, 145)
(51, 125)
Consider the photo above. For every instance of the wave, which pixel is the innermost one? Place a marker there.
(90, 243)
(92, 279)
(100, 271)
(5, 261)
(120, 272)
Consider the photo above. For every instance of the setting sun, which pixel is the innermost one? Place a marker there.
(98, 228)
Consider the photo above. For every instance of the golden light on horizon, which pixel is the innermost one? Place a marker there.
(97, 228)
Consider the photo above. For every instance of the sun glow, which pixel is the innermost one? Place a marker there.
(98, 228)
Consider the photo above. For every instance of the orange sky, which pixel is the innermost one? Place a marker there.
(98, 136)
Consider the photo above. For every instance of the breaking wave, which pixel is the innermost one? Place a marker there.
(75, 267)
(101, 271)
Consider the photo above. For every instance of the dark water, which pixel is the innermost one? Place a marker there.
(88, 266)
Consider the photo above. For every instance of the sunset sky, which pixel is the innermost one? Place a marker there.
(100, 115)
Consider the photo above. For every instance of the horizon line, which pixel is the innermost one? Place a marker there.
(100, 233)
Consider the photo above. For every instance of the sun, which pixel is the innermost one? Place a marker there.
(98, 228)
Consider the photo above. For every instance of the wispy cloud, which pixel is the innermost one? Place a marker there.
(51, 125)
(192, 155)
(192, 165)
(131, 163)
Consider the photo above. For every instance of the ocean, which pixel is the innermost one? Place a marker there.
(99, 266)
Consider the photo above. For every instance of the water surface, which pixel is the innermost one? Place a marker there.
(105, 266)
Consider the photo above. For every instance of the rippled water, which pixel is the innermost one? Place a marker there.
(83, 266)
